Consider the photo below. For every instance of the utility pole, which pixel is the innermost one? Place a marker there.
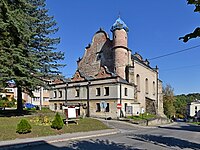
(41, 97)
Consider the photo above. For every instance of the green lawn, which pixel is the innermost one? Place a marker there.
(144, 116)
(197, 123)
(40, 122)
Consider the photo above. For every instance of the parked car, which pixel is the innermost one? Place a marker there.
(29, 105)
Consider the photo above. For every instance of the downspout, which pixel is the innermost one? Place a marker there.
(157, 89)
(66, 93)
(120, 98)
(88, 99)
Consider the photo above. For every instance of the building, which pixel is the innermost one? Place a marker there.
(40, 97)
(110, 74)
(193, 109)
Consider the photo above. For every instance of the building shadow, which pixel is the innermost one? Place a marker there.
(165, 141)
(80, 145)
(188, 127)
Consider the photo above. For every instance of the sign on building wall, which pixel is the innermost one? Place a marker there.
(129, 109)
(103, 105)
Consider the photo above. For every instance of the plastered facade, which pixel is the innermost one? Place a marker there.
(108, 66)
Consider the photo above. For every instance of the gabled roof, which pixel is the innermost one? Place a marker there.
(104, 72)
(80, 76)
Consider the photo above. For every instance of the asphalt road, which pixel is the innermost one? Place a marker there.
(176, 136)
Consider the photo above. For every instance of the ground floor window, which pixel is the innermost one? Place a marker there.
(61, 106)
(98, 108)
(107, 108)
(55, 106)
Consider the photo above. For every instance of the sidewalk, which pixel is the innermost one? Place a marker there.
(20, 143)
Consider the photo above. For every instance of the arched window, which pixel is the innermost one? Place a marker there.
(146, 86)
(154, 88)
(138, 82)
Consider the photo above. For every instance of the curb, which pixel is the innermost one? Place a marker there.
(21, 143)
(83, 137)
(127, 123)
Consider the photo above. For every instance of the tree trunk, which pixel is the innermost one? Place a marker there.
(19, 99)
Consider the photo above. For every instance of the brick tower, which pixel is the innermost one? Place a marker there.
(122, 55)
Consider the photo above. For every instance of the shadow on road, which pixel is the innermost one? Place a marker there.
(100, 145)
(81, 145)
(165, 141)
(187, 127)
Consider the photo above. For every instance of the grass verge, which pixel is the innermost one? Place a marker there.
(40, 122)
(144, 116)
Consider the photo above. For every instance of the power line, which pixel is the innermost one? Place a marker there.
(182, 67)
(174, 52)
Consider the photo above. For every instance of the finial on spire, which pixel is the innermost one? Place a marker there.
(119, 24)
(119, 14)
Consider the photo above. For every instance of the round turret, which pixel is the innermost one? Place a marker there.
(119, 30)
(122, 55)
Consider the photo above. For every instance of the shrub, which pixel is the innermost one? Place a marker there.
(23, 127)
(57, 123)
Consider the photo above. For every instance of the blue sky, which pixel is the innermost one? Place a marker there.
(154, 29)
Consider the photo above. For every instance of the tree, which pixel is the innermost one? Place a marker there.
(43, 43)
(57, 123)
(23, 127)
(17, 62)
(180, 105)
(181, 102)
(27, 55)
(168, 100)
(196, 32)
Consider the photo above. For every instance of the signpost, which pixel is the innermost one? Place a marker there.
(119, 106)
(103, 105)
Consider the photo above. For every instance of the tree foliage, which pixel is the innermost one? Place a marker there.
(182, 100)
(57, 123)
(27, 52)
(196, 32)
(23, 127)
(168, 101)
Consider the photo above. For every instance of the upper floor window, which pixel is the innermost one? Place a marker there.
(146, 86)
(77, 93)
(60, 94)
(54, 94)
(98, 91)
(106, 91)
(125, 91)
(138, 82)
(37, 90)
(154, 88)
(36, 98)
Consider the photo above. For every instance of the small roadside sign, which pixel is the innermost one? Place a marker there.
(103, 104)
(119, 106)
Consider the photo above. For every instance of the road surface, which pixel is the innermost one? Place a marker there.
(131, 137)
